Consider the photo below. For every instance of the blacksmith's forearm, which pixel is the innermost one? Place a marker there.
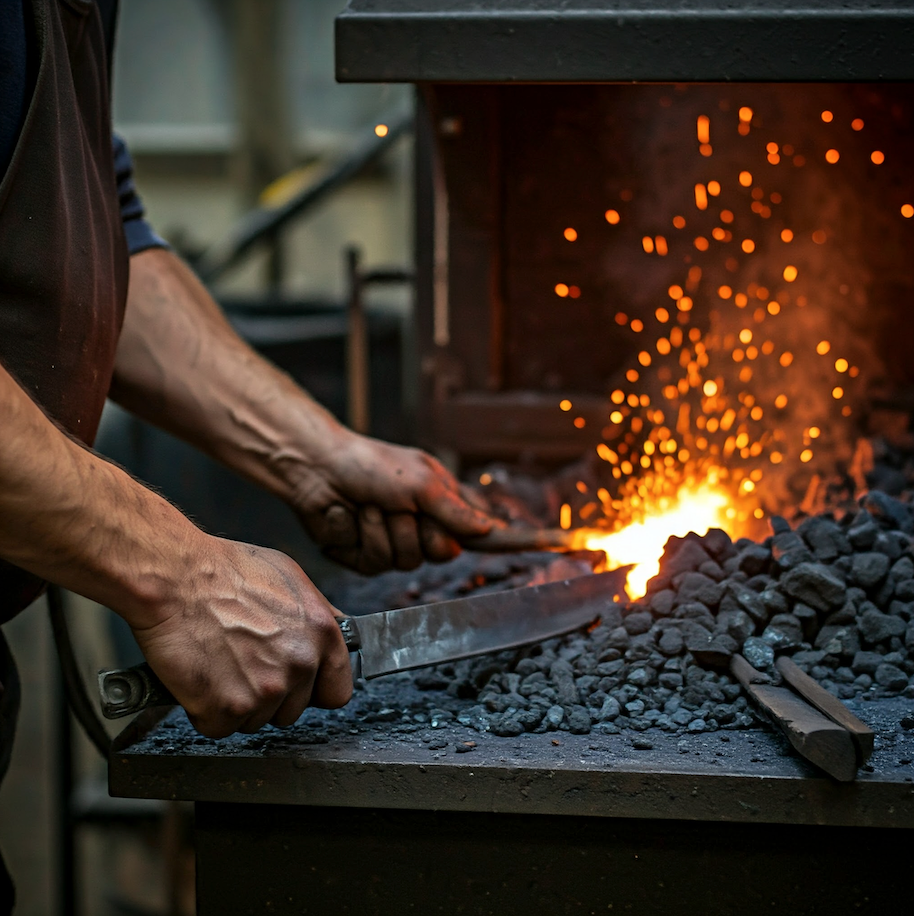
(69, 516)
(182, 367)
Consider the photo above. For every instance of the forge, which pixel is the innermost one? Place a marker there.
(663, 292)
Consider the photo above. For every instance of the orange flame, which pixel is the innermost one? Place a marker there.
(641, 543)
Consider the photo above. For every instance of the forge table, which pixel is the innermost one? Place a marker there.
(340, 816)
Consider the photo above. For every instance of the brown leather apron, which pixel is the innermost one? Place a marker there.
(63, 258)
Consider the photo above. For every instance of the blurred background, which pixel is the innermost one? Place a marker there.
(290, 195)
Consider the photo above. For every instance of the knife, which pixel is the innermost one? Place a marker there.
(429, 634)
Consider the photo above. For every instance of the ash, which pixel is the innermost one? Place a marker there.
(837, 595)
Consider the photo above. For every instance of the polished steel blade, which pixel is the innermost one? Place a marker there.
(429, 634)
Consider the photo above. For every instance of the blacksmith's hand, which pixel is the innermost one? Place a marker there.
(246, 640)
(374, 506)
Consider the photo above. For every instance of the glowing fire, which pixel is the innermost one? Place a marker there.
(641, 543)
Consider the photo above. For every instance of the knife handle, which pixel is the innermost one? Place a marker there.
(125, 691)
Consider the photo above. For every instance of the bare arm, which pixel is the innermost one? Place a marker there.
(182, 367)
(238, 633)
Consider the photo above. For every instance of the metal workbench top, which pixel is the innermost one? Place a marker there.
(336, 758)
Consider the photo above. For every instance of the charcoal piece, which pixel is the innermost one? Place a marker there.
(525, 667)
(740, 598)
(730, 566)
(754, 559)
(845, 614)
(902, 609)
(618, 638)
(641, 676)
(682, 555)
(697, 725)
(637, 623)
(609, 669)
(737, 624)
(682, 716)
(869, 569)
(786, 542)
(718, 544)
(586, 684)
(891, 678)
(760, 582)
(907, 723)
(532, 683)
(579, 721)
(464, 747)
(695, 586)
(759, 654)
(510, 681)
(806, 658)
(506, 726)
(909, 637)
(640, 647)
(840, 641)
(903, 570)
(562, 676)
(554, 717)
(824, 538)
(642, 744)
(793, 558)
(691, 629)
(779, 525)
(530, 719)
(866, 662)
(863, 682)
(883, 595)
(670, 680)
(888, 542)
(862, 534)
(661, 603)
(844, 675)
(876, 627)
(626, 693)
(783, 633)
(815, 585)
(888, 512)
(808, 618)
(634, 708)
(671, 642)
(609, 710)
(775, 602)
(712, 570)
(713, 651)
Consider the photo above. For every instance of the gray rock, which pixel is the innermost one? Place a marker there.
(670, 680)
(754, 559)
(579, 722)
(713, 651)
(891, 677)
(876, 627)
(618, 638)
(775, 602)
(866, 662)
(842, 641)
(683, 555)
(825, 538)
(888, 543)
(635, 708)
(712, 570)
(507, 726)
(784, 632)
(902, 569)
(808, 618)
(794, 558)
(740, 598)
(779, 524)
(862, 534)
(697, 725)
(737, 624)
(904, 590)
(609, 710)
(662, 602)
(889, 511)
(641, 677)
(845, 614)
(718, 543)
(759, 654)
(869, 569)
(671, 642)
(785, 542)
(682, 716)
(637, 623)
(695, 586)
(815, 585)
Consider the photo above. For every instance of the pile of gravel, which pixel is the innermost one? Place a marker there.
(836, 595)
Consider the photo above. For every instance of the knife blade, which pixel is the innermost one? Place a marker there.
(429, 634)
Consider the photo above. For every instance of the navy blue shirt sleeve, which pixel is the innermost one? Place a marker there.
(140, 235)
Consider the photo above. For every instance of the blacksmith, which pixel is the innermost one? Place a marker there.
(92, 305)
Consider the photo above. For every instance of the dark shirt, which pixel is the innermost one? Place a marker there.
(18, 69)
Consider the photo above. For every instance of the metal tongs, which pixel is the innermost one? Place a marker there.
(818, 725)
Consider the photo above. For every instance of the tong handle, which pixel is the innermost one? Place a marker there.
(125, 691)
